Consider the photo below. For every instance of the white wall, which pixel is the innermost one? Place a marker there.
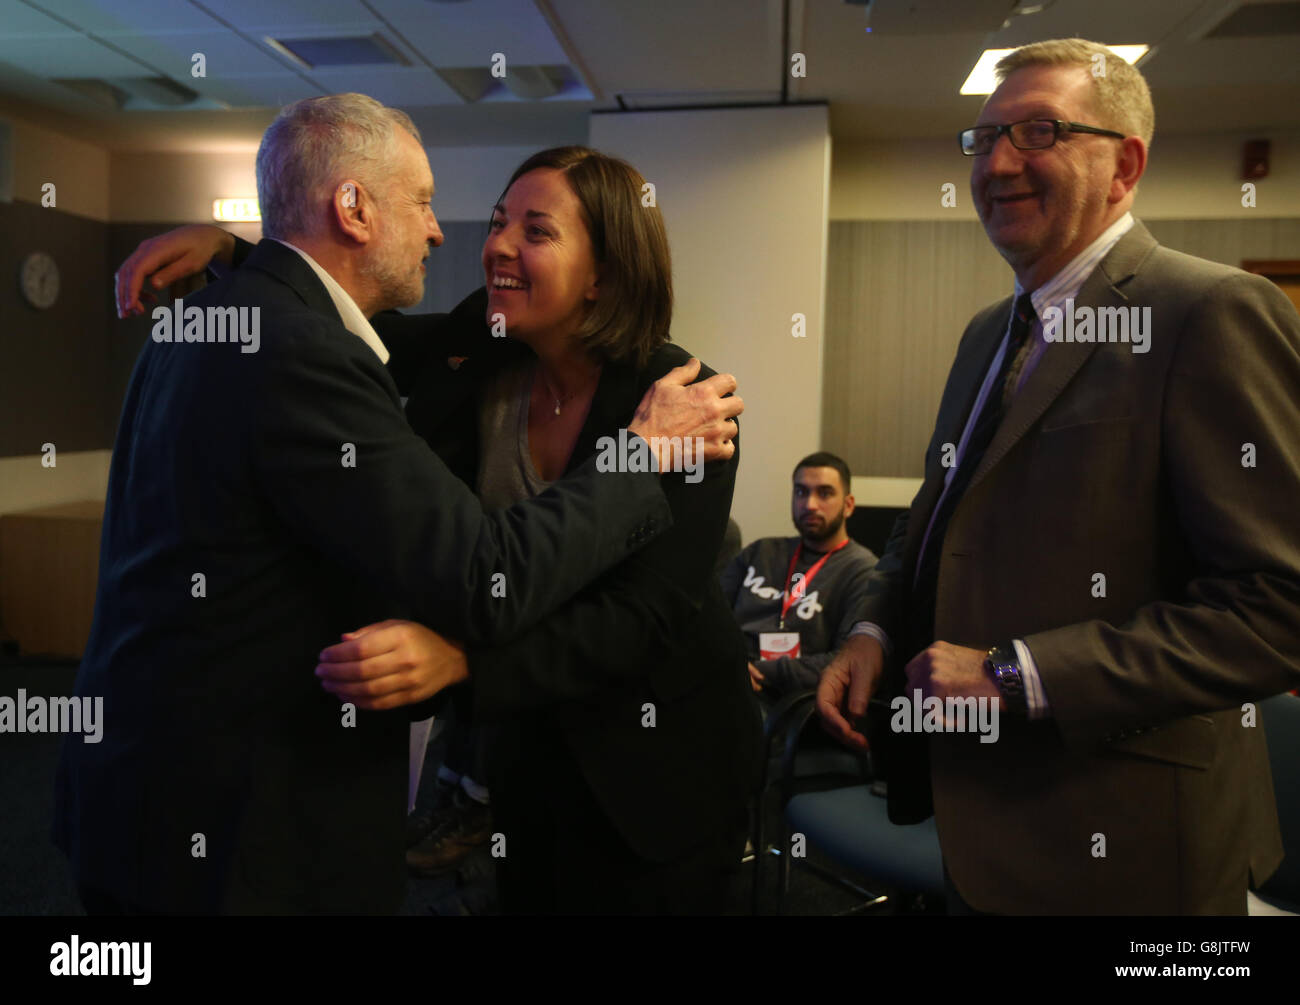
(1188, 177)
(744, 193)
(468, 181)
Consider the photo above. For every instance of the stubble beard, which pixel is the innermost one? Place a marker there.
(828, 531)
(396, 284)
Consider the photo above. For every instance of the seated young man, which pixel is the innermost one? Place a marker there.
(796, 598)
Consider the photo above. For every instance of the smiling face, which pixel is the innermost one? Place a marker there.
(1040, 208)
(406, 228)
(538, 261)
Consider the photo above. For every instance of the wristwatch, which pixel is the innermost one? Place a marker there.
(1004, 667)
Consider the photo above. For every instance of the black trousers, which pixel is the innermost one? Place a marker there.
(98, 903)
(466, 751)
(563, 855)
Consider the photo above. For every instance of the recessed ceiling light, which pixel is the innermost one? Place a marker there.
(982, 80)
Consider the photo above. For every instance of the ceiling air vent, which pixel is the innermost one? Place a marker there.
(361, 50)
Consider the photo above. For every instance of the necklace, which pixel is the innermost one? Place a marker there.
(551, 391)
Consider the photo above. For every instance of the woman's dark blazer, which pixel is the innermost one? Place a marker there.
(652, 641)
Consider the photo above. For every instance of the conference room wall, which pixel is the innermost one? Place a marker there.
(1189, 176)
(744, 193)
(49, 391)
(178, 187)
(899, 295)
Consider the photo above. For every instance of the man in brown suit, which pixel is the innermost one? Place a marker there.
(1106, 544)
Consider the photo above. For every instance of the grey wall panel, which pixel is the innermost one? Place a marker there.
(455, 269)
(53, 362)
(1230, 241)
(899, 295)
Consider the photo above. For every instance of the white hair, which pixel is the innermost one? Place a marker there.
(312, 146)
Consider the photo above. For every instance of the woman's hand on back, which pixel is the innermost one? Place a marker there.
(161, 260)
(391, 663)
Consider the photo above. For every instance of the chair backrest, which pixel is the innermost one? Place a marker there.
(870, 526)
(1281, 718)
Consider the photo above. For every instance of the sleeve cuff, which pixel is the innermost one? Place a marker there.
(875, 631)
(1035, 696)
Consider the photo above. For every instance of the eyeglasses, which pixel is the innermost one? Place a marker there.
(1032, 134)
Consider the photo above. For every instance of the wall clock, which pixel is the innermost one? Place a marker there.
(38, 277)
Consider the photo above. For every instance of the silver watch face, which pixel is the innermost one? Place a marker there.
(1006, 672)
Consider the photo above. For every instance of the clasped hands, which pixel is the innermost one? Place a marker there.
(391, 663)
(942, 670)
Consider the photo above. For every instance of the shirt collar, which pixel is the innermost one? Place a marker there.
(350, 314)
(1065, 285)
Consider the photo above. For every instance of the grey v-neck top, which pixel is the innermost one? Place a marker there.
(505, 467)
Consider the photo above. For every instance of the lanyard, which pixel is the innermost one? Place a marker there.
(790, 596)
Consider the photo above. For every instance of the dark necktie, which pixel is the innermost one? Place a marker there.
(924, 588)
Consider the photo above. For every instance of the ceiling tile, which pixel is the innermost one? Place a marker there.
(256, 15)
(226, 54)
(468, 34)
(74, 56)
(114, 16)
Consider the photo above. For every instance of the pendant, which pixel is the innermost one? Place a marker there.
(557, 408)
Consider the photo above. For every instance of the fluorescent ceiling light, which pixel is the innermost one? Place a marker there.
(236, 210)
(982, 81)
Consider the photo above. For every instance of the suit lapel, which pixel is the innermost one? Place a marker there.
(290, 268)
(968, 370)
(1060, 361)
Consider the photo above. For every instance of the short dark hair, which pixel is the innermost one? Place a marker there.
(825, 459)
(631, 317)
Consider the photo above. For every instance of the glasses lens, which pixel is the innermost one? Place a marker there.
(1034, 135)
(978, 140)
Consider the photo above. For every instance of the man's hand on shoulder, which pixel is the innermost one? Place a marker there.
(674, 407)
(166, 258)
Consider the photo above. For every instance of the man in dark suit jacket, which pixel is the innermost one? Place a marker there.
(262, 503)
(1105, 544)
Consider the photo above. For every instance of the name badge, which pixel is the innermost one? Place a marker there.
(774, 645)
